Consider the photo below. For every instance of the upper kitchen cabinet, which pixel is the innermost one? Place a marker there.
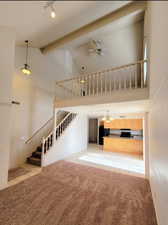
(133, 124)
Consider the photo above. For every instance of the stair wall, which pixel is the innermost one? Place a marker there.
(73, 140)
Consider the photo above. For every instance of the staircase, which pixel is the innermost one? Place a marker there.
(125, 83)
(48, 142)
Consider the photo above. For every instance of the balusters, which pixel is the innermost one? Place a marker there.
(114, 81)
(84, 86)
(87, 86)
(97, 84)
(104, 82)
(101, 83)
(110, 83)
(61, 128)
(119, 82)
(130, 80)
(56, 133)
(89, 89)
(142, 75)
(79, 86)
(136, 75)
(125, 79)
(145, 74)
(51, 140)
(45, 147)
(93, 84)
(48, 143)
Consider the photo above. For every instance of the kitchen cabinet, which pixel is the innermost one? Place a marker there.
(133, 124)
(124, 145)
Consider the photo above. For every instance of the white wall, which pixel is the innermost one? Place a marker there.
(7, 47)
(36, 95)
(73, 140)
(121, 46)
(158, 34)
(63, 60)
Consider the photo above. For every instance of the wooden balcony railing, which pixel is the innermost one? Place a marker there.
(130, 76)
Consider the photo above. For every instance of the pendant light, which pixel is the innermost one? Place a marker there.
(107, 118)
(26, 69)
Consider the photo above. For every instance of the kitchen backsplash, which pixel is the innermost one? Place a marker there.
(133, 132)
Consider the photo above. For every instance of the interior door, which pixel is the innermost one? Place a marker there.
(93, 130)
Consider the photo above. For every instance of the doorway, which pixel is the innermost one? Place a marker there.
(93, 131)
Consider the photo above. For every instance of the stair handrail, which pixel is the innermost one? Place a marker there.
(35, 133)
(101, 71)
(44, 139)
(57, 126)
(63, 120)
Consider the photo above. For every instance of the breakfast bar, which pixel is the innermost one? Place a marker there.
(114, 143)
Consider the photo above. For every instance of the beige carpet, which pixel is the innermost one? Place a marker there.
(70, 194)
(17, 172)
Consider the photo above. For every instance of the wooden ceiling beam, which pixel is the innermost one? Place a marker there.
(107, 19)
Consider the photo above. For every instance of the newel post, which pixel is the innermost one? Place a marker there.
(43, 152)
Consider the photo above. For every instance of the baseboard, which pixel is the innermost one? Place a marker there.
(154, 202)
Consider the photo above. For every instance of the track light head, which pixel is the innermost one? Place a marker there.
(50, 5)
(52, 14)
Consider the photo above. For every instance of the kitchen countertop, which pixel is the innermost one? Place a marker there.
(131, 138)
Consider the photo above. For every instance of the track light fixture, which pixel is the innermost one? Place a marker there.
(50, 5)
(53, 14)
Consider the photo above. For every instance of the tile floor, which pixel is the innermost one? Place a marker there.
(123, 163)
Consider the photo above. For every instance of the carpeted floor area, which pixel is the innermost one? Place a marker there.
(71, 194)
(17, 172)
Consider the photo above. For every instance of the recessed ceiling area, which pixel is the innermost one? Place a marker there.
(131, 109)
(31, 21)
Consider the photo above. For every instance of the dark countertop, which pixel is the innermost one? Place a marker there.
(131, 138)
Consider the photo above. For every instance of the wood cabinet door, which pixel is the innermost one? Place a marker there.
(133, 124)
(137, 124)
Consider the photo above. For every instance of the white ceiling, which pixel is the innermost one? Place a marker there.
(32, 22)
(122, 43)
(132, 109)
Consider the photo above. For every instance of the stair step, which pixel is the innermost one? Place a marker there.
(34, 161)
(39, 149)
(36, 155)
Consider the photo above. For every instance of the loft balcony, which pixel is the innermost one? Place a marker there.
(125, 83)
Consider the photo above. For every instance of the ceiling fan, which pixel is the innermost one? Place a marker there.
(95, 47)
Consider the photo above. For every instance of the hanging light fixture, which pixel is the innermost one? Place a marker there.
(50, 5)
(107, 118)
(26, 69)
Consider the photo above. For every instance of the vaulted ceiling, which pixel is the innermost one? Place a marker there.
(120, 46)
(32, 22)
